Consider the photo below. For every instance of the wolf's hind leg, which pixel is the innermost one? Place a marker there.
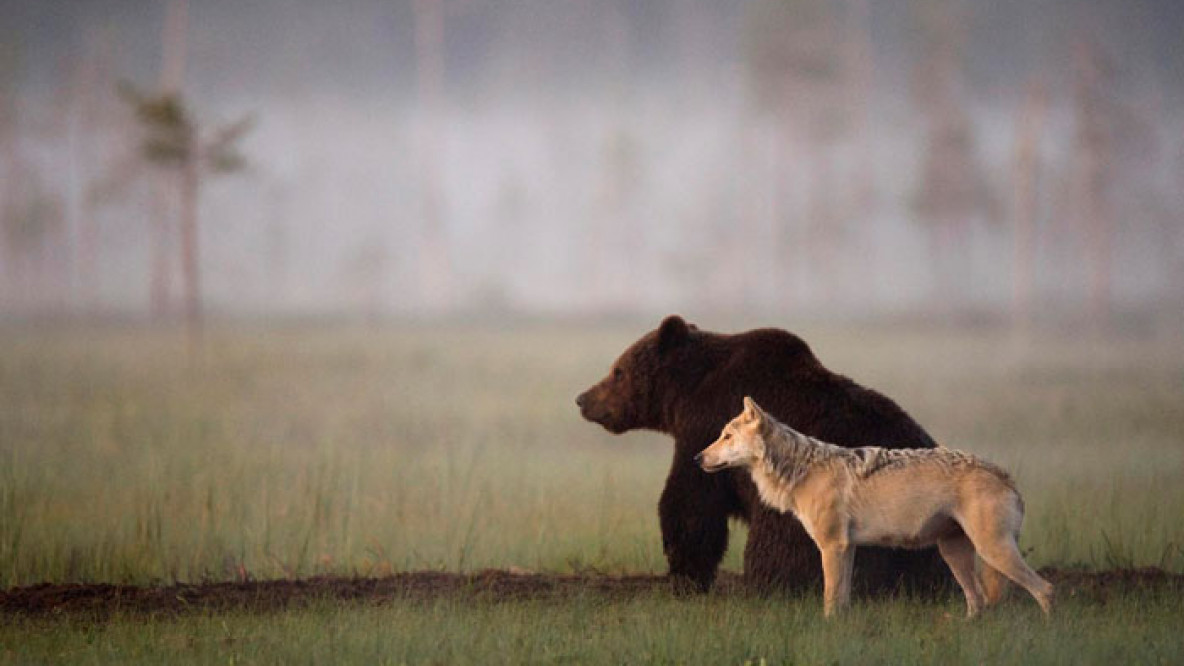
(958, 552)
(1000, 552)
(995, 584)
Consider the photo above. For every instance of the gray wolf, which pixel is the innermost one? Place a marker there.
(904, 498)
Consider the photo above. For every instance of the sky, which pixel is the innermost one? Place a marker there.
(594, 156)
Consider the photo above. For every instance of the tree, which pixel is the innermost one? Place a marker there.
(619, 247)
(10, 160)
(33, 233)
(32, 222)
(435, 267)
(170, 80)
(1026, 197)
(1093, 171)
(173, 142)
(806, 61)
(362, 274)
(952, 193)
(94, 123)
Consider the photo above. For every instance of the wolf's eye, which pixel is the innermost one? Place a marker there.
(727, 436)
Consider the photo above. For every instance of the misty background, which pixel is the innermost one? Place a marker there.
(424, 157)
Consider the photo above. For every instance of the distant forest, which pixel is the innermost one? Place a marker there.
(1022, 159)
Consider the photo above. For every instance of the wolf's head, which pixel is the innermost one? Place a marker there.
(740, 444)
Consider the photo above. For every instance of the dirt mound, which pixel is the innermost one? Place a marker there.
(1100, 585)
(101, 600)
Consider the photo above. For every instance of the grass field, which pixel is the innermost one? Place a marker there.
(1134, 628)
(289, 451)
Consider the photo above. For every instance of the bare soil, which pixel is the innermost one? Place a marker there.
(102, 600)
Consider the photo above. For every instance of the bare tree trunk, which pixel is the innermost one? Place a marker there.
(1099, 243)
(278, 246)
(159, 195)
(91, 116)
(791, 140)
(189, 184)
(1093, 161)
(858, 93)
(743, 281)
(76, 158)
(824, 231)
(164, 187)
(435, 269)
(1175, 244)
(859, 204)
(1026, 200)
(83, 129)
(174, 49)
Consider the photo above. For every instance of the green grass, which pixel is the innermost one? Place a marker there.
(1134, 628)
(290, 451)
(294, 451)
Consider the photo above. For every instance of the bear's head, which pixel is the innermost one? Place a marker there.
(644, 380)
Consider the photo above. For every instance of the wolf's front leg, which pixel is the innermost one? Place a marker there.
(838, 563)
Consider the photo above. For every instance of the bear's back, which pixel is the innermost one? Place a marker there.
(780, 371)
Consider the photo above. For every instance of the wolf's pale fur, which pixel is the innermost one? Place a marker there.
(909, 498)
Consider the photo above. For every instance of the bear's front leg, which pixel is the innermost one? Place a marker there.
(694, 515)
(779, 555)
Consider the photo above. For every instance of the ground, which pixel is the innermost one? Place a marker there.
(104, 601)
(503, 618)
(339, 458)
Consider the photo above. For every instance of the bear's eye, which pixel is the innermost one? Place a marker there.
(617, 374)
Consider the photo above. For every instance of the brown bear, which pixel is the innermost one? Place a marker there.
(689, 383)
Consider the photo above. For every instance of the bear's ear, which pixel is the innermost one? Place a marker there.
(672, 333)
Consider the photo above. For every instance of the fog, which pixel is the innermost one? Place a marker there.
(1020, 159)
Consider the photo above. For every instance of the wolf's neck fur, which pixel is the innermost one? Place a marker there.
(789, 455)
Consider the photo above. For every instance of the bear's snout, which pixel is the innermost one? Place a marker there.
(593, 408)
(585, 401)
(588, 405)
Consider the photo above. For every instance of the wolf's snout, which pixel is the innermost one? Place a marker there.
(699, 458)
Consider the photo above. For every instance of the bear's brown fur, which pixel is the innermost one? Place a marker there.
(689, 383)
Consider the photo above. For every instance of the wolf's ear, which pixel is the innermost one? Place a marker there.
(752, 411)
(672, 333)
